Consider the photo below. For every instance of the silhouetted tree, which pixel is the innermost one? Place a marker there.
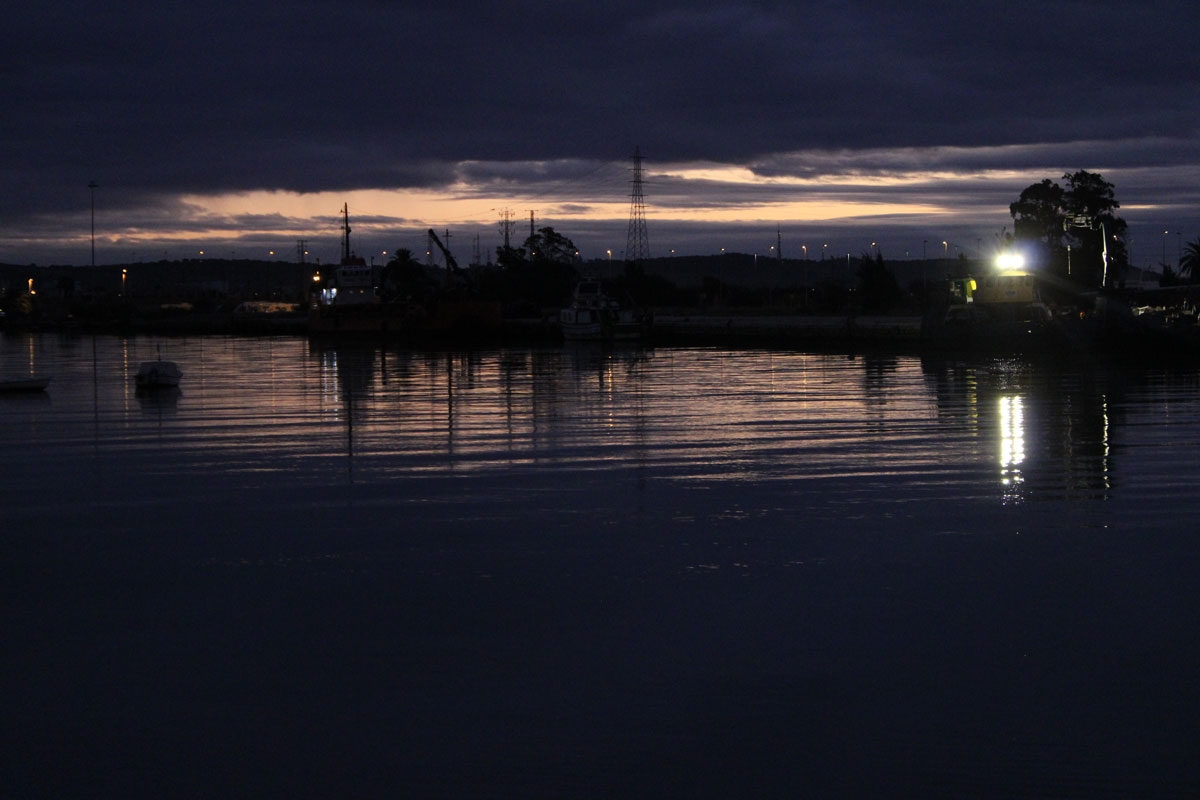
(1098, 233)
(547, 276)
(1038, 215)
(549, 245)
(1189, 263)
(510, 257)
(1079, 217)
(876, 285)
(404, 278)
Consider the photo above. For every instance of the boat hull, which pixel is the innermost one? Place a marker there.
(601, 322)
(158, 375)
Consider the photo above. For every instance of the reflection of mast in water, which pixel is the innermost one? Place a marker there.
(346, 370)
(1052, 428)
(461, 373)
(350, 434)
(449, 404)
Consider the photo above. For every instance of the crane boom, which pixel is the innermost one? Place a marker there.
(451, 264)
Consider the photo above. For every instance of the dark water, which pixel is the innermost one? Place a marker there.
(357, 572)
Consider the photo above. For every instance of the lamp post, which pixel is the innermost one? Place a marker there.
(92, 186)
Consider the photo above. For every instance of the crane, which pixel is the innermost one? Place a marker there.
(452, 269)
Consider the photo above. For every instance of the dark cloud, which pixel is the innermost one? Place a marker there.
(159, 99)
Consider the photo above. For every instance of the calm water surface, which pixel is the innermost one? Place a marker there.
(338, 571)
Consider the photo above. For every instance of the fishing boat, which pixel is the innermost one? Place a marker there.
(1000, 310)
(594, 316)
(355, 298)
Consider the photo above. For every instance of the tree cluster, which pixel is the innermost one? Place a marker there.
(1078, 238)
(877, 286)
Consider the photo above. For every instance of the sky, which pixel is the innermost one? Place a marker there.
(821, 128)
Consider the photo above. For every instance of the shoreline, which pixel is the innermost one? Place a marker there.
(675, 328)
(849, 333)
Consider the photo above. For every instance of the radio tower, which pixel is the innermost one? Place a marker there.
(637, 244)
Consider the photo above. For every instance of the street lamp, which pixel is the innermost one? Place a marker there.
(124, 273)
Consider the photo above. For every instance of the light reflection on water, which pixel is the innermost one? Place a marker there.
(879, 426)
(767, 570)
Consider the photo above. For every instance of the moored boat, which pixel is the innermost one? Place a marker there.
(345, 291)
(158, 374)
(356, 298)
(1001, 310)
(594, 316)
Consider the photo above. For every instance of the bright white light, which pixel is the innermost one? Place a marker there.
(1010, 261)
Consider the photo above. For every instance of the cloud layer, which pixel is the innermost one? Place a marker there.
(746, 112)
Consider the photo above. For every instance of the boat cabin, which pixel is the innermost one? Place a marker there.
(1010, 295)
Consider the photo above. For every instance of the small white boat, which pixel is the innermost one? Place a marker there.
(158, 374)
(33, 383)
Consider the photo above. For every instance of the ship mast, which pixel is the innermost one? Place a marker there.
(345, 233)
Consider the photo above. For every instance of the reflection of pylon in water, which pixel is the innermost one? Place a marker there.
(637, 245)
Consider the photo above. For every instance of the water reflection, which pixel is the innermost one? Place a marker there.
(1012, 444)
(873, 425)
(1049, 427)
(707, 414)
(159, 400)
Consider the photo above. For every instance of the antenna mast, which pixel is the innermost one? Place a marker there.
(637, 244)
